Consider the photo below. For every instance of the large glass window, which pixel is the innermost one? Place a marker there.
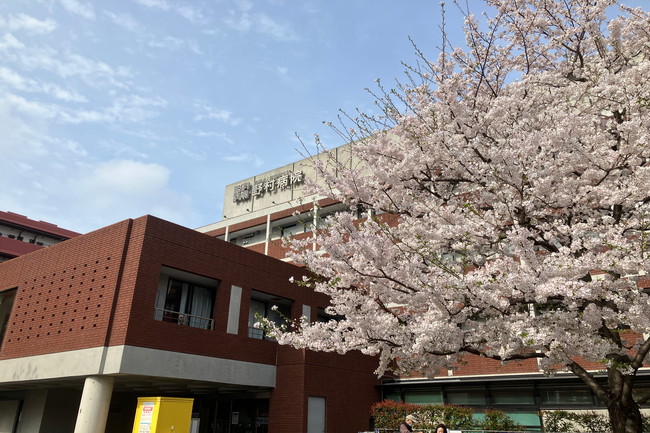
(186, 299)
(555, 396)
(510, 396)
(466, 397)
(6, 303)
(422, 397)
(267, 306)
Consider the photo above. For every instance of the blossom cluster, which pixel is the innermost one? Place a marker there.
(507, 197)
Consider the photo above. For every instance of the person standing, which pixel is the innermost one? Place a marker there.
(441, 428)
(407, 425)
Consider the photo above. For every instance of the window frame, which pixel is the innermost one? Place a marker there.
(184, 311)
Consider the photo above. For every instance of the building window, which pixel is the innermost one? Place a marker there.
(186, 299)
(466, 397)
(6, 303)
(559, 397)
(424, 397)
(512, 396)
(267, 306)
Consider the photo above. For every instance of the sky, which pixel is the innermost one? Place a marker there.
(114, 110)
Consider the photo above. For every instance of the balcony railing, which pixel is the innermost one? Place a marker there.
(184, 319)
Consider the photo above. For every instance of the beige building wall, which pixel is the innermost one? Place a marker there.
(284, 185)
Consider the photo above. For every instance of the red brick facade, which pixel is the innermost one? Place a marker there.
(100, 290)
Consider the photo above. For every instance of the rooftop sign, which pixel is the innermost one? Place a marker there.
(279, 182)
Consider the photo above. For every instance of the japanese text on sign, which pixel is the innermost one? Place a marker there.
(246, 191)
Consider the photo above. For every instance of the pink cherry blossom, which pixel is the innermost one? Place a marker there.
(516, 172)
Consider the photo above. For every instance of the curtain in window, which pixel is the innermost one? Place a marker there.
(201, 306)
(257, 308)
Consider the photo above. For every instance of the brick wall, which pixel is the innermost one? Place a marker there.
(476, 365)
(347, 383)
(100, 289)
(65, 293)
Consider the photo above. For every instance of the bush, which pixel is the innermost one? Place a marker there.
(389, 414)
(587, 421)
(497, 420)
(561, 421)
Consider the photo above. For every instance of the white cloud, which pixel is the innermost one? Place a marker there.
(160, 4)
(35, 109)
(74, 148)
(12, 78)
(20, 140)
(244, 5)
(209, 112)
(8, 43)
(27, 23)
(77, 7)
(216, 114)
(193, 155)
(186, 10)
(129, 109)
(166, 42)
(120, 149)
(128, 177)
(245, 157)
(263, 24)
(115, 190)
(84, 196)
(135, 108)
(24, 84)
(241, 23)
(190, 13)
(95, 73)
(125, 20)
(124, 109)
(211, 134)
(282, 32)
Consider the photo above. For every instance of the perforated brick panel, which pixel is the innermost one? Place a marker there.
(62, 302)
(64, 294)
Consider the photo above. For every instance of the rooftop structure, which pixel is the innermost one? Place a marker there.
(20, 235)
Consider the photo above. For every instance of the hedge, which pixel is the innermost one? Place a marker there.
(389, 414)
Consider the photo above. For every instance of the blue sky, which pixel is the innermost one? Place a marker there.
(113, 110)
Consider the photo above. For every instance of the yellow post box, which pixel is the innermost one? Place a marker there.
(163, 415)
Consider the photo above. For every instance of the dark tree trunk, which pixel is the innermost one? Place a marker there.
(625, 417)
(624, 412)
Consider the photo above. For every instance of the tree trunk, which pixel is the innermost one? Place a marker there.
(625, 418)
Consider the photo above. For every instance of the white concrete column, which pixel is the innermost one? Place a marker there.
(233, 310)
(267, 238)
(314, 225)
(95, 401)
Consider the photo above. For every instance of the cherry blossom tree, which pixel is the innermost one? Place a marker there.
(507, 189)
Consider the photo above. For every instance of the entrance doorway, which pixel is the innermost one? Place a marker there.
(242, 416)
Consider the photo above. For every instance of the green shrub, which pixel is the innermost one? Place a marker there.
(589, 421)
(497, 420)
(561, 421)
(389, 414)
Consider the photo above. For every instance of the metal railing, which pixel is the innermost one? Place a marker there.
(184, 319)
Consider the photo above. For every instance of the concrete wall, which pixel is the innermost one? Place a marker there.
(286, 184)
